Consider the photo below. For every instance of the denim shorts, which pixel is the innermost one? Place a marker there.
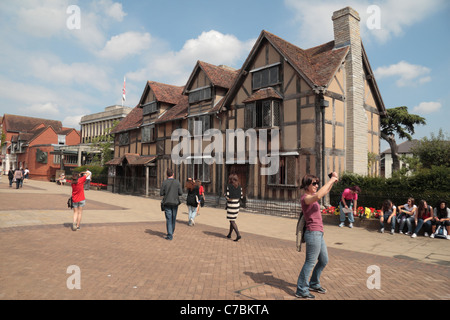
(79, 204)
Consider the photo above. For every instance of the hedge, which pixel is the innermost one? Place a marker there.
(431, 185)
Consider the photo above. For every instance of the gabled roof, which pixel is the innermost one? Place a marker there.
(14, 123)
(220, 76)
(163, 92)
(176, 112)
(317, 65)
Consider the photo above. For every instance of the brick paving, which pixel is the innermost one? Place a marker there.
(132, 260)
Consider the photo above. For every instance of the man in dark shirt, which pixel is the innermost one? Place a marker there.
(171, 190)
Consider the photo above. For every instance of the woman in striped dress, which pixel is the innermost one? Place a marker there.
(233, 196)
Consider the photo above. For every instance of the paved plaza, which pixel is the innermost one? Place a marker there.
(120, 253)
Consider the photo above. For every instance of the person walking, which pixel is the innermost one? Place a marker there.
(171, 191)
(10, 177)
(201, 199)
(316, 256)
(192, 200)
(233, 196)
(18, 176)
(78, 198)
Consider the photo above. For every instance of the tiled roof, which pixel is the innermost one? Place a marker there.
(404, 147)
(166, 92)
(317, 64)
(220, 76)
(133, 159)
(262, 94)
(132, 121)
(179, 111)
(14, 123)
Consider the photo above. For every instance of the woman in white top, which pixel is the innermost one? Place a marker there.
(406, 211)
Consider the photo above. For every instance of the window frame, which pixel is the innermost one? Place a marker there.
(266, 76)
(200, 94)
(256, 118)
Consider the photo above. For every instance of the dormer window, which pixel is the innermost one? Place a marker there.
(150, 108)
(266, 76)
(200, 94)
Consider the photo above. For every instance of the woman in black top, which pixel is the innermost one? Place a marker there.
(233, 195)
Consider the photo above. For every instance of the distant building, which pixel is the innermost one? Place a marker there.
(31, 142)
(404, 149)
(99, 124)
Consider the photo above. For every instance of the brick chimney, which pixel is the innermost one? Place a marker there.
(347, 33)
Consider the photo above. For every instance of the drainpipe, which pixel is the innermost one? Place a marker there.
(219, 168)
(323, 104)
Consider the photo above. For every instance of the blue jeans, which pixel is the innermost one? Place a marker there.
(426, 226)
(192, 212)
(316, 257)
(171, 217)
(351, 219)
(385, 219)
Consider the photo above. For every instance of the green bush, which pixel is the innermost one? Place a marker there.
(99, 173)
(431, 185)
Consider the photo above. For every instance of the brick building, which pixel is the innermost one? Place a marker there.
(29, 143)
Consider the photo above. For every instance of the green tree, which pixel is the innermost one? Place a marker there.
(104, 143)
(433, 151)
(398, 121)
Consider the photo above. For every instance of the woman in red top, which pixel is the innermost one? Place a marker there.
(78, 198)
(423, 217)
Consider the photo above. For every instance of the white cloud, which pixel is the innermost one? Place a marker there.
(44, 19)
(113, 9)
(174, 67)
(51, 70)
(427, 107)
(316, 27)
(48, 108)
(407, 74)
(126, 44)
(72, 121)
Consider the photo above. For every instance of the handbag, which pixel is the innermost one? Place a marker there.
(70, 203)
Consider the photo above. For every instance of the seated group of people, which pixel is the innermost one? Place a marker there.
(416, 217)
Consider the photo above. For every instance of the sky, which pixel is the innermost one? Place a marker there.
(62, 59)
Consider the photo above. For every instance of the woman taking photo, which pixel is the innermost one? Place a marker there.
(78, 198)
(316, 251)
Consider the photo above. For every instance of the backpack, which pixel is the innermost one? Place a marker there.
(441, 232)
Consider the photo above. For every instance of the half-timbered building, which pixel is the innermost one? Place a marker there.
(320, 107)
